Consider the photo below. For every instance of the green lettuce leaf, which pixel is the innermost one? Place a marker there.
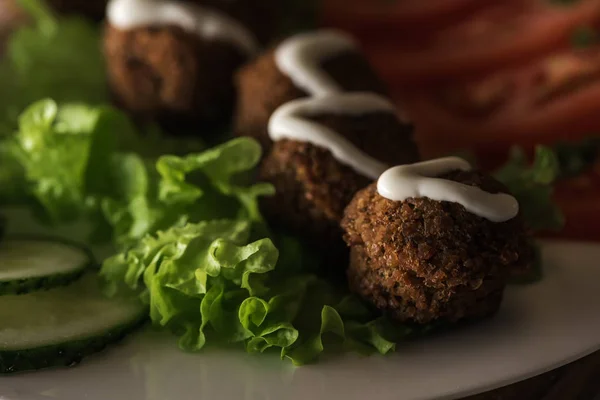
(206, 267)
(62, 151)
(209, 281)
(74, 161)
(220, 168)
(40, 63)
(533, 186)
(194, 188)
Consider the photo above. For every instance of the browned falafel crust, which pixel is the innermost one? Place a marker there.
(262, 88)
(422, 260)
(177, 77)
(313, 187)
(171, 76)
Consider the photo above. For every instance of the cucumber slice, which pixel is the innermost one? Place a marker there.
(28, 264)
(61, 326)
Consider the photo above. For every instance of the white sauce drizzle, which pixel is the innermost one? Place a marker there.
(206, 23)
(289, 122)
(300, 56)
(419, 180)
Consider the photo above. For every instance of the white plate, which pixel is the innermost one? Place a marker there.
(540, 327)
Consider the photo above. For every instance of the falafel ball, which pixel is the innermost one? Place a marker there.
(313, 187)
(421, 260)
(178, 71)
(262, 87)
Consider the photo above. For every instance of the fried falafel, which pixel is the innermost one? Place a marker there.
(314, 183)
(173, 61)
(422, 260)
(276, 78)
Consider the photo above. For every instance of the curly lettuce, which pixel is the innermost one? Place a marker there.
(63, 152)
(74, 162)
(211, 281)
(40, 63)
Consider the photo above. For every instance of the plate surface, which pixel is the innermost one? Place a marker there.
(540, 327)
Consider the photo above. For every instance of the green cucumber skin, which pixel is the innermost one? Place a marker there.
(55, 239)
(65, 354)
(28, 285)
(24, 286)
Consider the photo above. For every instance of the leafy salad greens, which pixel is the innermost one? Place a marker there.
(192, 237)
(189, 233)
(54, 58)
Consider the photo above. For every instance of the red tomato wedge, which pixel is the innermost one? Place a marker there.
(503, 34)
(556, 98)
(356, 14)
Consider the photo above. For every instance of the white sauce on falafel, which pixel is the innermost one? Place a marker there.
(290, 122)
(420, 180)
(300, 58)
(204, 22)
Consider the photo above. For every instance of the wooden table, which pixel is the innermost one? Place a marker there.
(576, 381)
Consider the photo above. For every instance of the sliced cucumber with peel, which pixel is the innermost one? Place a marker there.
(60, 326)
(28, 264)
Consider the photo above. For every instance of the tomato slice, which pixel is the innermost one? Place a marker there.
(357, 14)
(504, 34)
(555, 98)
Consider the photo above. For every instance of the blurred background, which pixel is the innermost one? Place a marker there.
(475, 77)
(485, 76)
